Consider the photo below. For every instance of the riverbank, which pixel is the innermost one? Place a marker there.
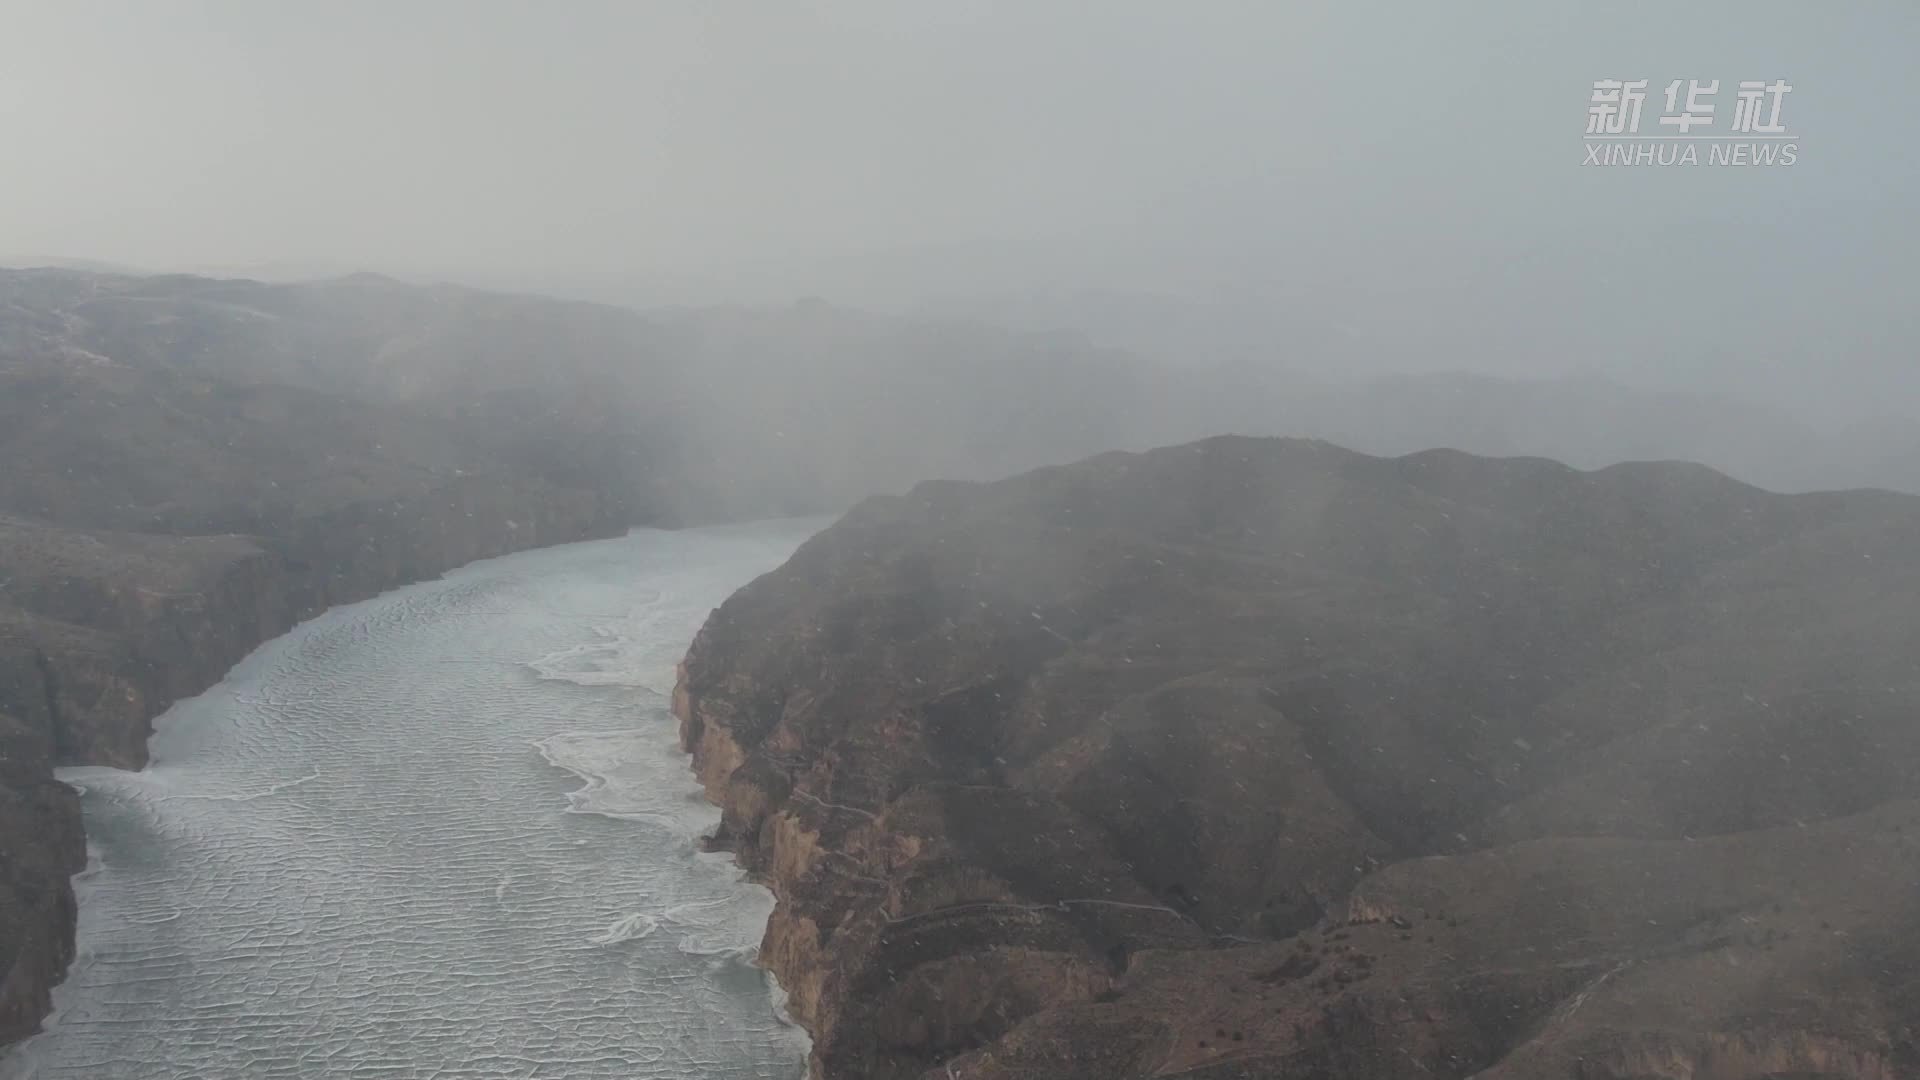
(113, 628)
(448, 826)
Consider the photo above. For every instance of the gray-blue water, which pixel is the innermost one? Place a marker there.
(442, 834)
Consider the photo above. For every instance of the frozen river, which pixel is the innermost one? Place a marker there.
(442, 834)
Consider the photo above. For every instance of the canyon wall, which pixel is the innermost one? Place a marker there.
(1263, 758)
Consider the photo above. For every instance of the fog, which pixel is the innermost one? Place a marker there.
(1243, 546)
(1336, 187)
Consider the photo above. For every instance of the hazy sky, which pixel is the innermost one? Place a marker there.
(1375, 185)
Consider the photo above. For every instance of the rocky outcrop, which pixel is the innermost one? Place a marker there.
(41, 846)
(1261, 758)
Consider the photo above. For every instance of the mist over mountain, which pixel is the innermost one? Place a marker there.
(195, 464)
(1366, 188)
(1259, 758)
(1322, 541)
(811, 406)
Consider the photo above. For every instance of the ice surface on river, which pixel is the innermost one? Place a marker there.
(442, 834)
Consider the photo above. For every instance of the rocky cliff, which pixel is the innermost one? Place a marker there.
(41, 846)
(1262, 758)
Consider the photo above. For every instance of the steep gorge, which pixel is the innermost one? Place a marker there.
(192, 465)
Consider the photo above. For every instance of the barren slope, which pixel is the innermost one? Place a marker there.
(1265, 758)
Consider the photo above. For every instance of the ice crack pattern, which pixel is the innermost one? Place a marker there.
(443, 834)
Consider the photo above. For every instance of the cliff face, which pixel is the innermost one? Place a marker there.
(41, 846)
(1261, 758)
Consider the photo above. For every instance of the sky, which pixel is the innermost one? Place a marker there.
(1342, 186)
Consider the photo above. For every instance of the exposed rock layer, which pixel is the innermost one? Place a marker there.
(1260, 758)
